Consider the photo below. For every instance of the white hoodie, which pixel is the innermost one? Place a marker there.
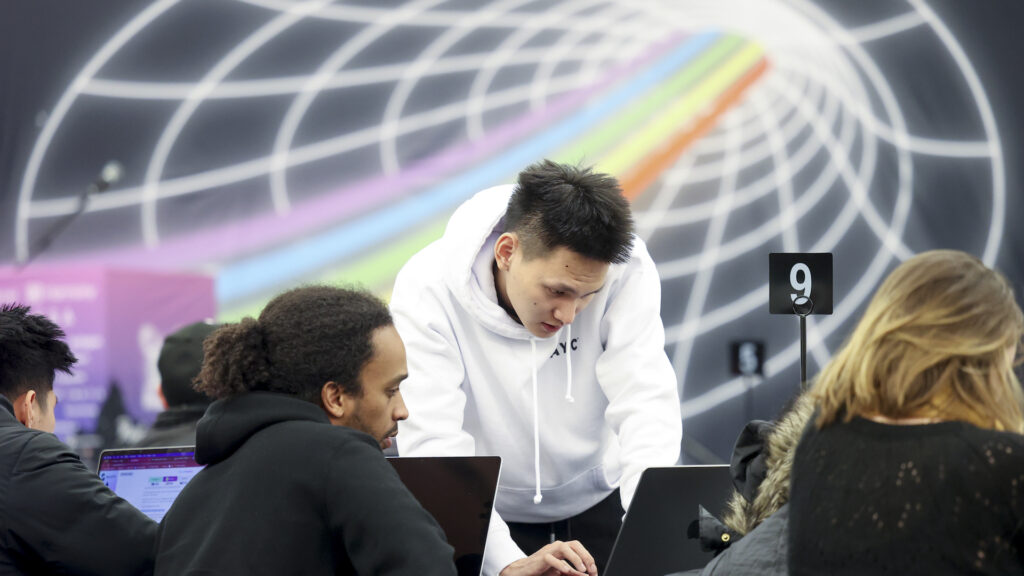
(572, 416)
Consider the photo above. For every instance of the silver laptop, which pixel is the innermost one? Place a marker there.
(149, 478)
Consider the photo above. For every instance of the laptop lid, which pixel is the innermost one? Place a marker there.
(652, 540)
(149, 478)
(458, 491)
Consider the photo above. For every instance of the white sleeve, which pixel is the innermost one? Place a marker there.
(637, 377)
(434, 396)
(500, 550)
(433, 391)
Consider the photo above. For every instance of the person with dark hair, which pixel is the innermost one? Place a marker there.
(295, 481)
(57, 517)
(534, 334)
(181, 358)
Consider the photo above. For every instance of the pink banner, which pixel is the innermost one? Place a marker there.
(115, 322)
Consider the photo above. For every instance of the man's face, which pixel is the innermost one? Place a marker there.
(547, 291)
(380, 406)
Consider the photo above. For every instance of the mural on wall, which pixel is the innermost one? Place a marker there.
(273, 142)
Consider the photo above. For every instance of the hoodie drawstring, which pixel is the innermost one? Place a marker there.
(537, 497)
(568, 363)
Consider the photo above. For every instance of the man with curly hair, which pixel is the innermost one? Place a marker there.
(57, 517)
(306, 396)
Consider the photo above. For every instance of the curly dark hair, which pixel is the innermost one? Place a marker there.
(303, 339)
(557, 205)
(31, 352)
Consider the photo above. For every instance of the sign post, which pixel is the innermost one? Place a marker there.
(800, 283)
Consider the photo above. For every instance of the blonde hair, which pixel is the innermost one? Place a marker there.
(938, 340)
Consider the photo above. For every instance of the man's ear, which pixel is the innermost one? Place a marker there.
(504, 247)
(336, 403)
(23, 408)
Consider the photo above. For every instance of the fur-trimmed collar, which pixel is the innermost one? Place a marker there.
(744, 515)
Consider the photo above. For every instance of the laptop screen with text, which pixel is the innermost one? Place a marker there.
(149, 478)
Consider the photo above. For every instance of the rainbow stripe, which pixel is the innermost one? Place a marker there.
(634, 123)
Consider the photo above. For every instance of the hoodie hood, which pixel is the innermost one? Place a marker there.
(230, 422)
(469, 241)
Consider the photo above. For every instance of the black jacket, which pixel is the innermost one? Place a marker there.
(57, 517)
(285, 492)
(175, 426)
(762, 552)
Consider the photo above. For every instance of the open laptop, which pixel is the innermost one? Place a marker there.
(149, 478)
(458, 491)
(652, 540)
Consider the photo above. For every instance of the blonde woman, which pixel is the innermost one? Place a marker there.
(914, 461)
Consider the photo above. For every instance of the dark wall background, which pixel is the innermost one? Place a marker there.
(235, 231)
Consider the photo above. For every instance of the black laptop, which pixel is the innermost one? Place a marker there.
(458, 491)
(652, 540)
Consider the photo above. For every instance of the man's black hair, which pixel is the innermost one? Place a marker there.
(557, 205)
(303, 339)
(31, 352)
(181, 358)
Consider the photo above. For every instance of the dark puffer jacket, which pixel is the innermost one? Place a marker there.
(758, 509)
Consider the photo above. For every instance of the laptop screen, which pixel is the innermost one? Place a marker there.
(458, 491)
(149, 478)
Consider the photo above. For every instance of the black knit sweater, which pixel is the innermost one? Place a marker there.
(870, 498)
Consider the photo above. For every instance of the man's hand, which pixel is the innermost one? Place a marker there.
(555, 559)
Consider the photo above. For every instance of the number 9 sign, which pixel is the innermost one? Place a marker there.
(800, 280)
(800, 283)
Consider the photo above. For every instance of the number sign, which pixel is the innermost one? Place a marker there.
(747, 357)
(800, 281)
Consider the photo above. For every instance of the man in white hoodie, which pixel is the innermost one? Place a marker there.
(533, 333)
